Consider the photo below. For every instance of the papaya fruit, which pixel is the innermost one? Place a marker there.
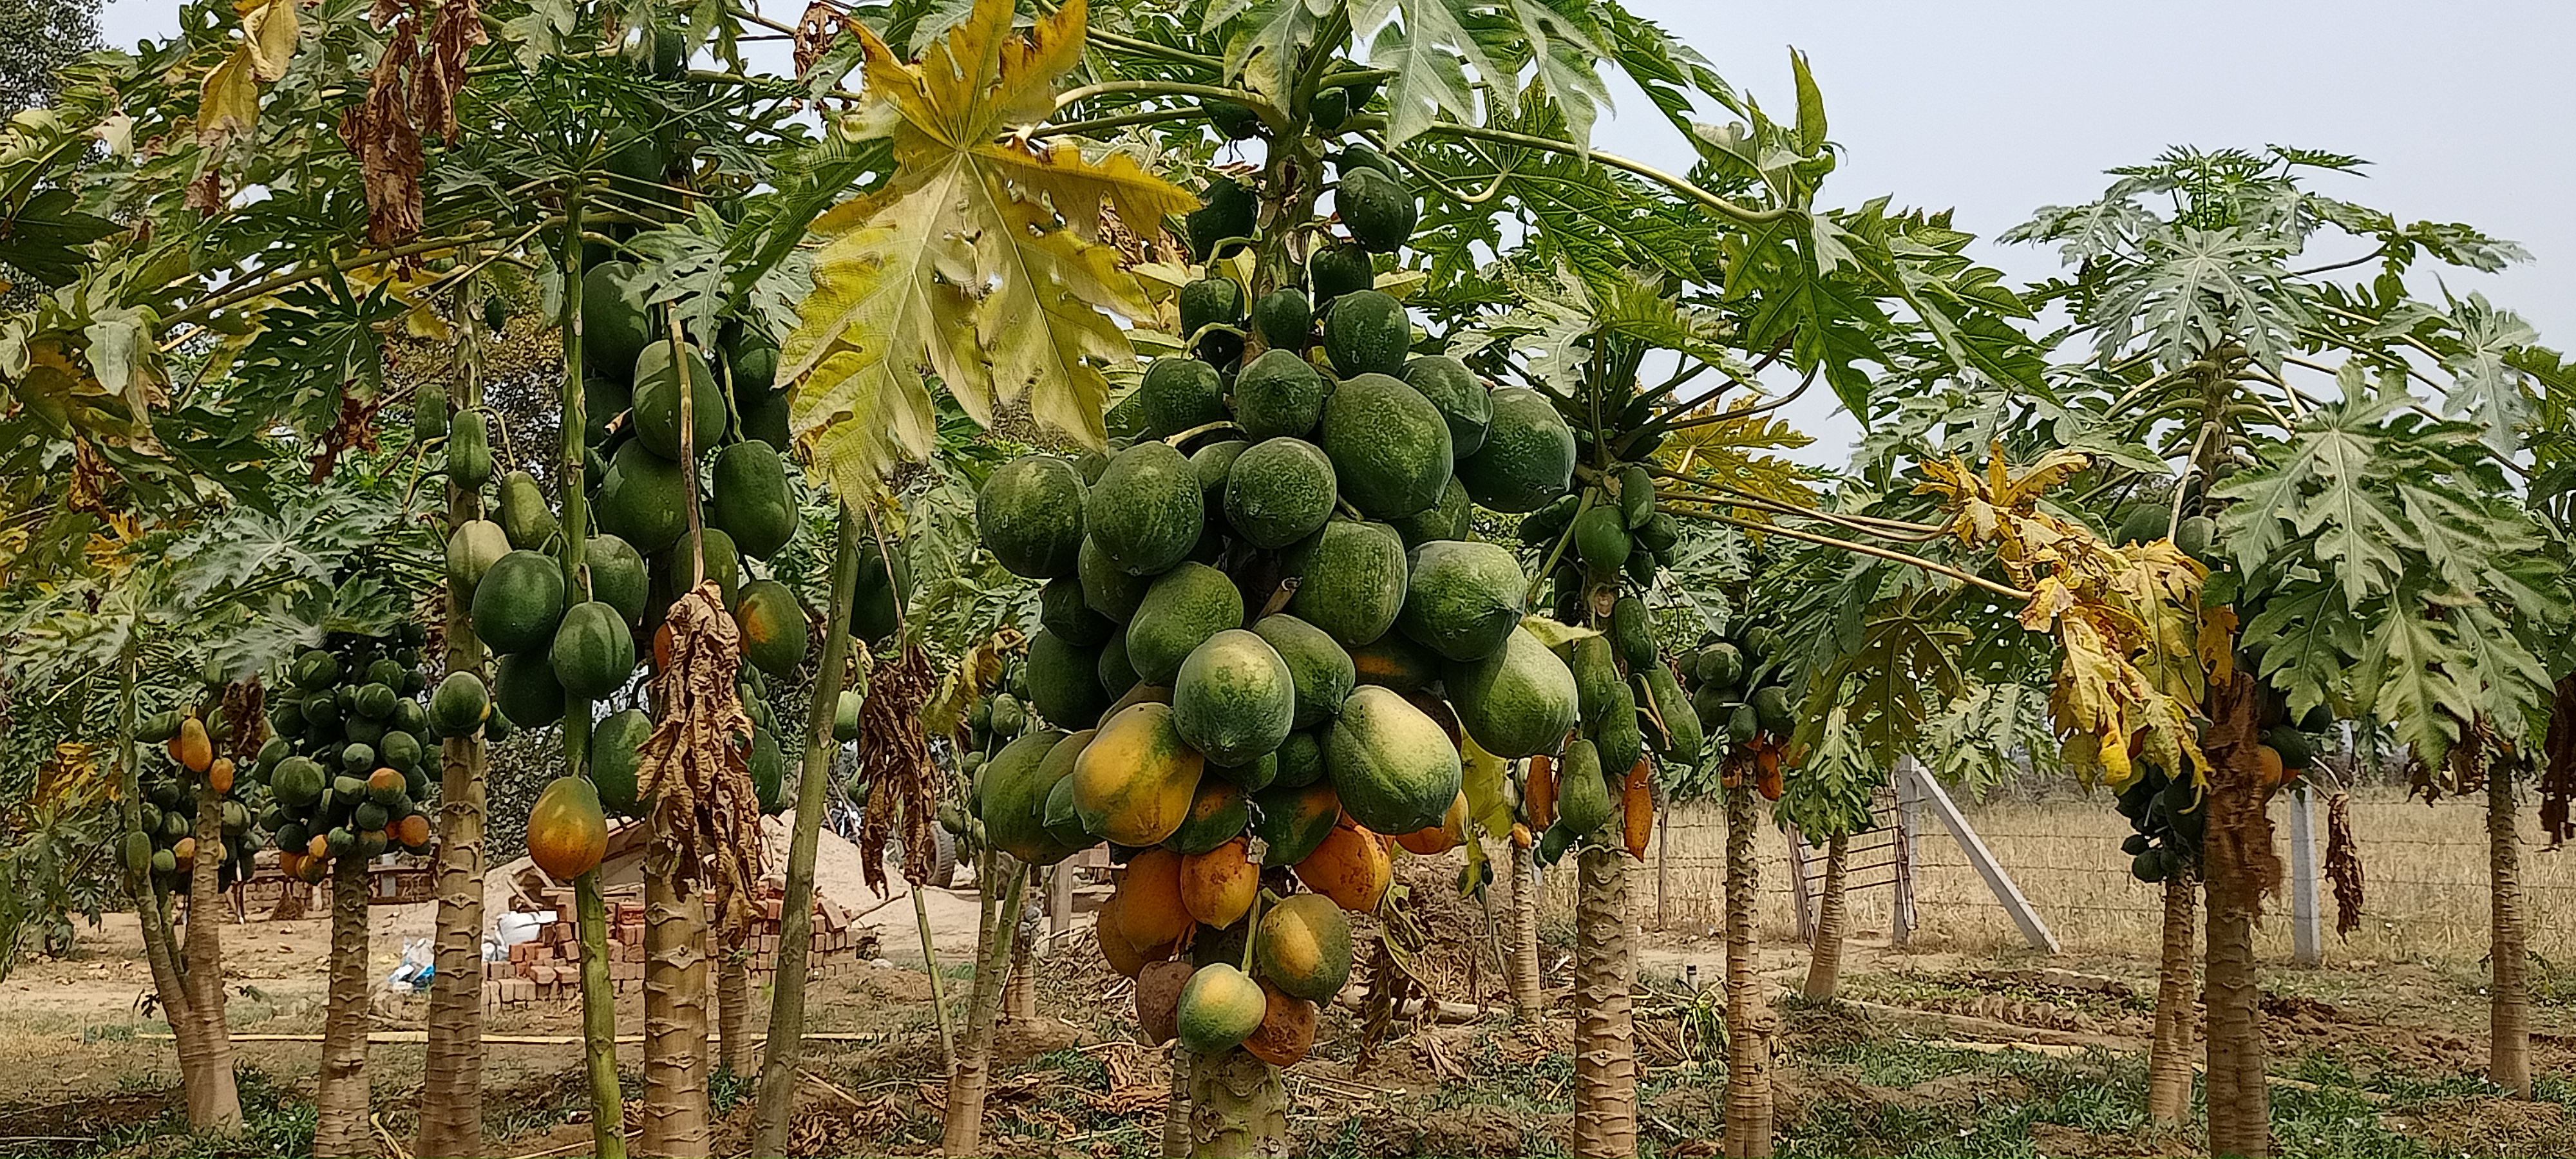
(1337, 271)
(1012, 795)
(1063, 612)
(472, 549)
(191, 746)
(1287, 1031)
(1453, 517)
(469, 451)
(519, 602)
(1583, 797)
(457, 708)
(1234, 698)
(617, 757)
(1279, 394)
(1527, 459)
(1029, 514)
(525, 517)
(1150, 914)
(748, 499)
(1220, 1007)
(1293, 820)
(567, 831)
(1319, 669)
(1146, 512)
(1388, 445)
(1219, 885)
(593, 653)
(1433, 840)
(1218, 812)
(1350, 867)
(1227, 210)
(524, 690)
(1601, 540)
(1393, 661)
(1158, 999)
(1279, 491)
(1354, 582)
(1518, 702)
(1182, 610)
(1283, 318)
(1392, 765)
(715, 560)
(1367, 332)
(1299, 762)
(1064, 679)
(775, 635)
(658, 373)
(1304, 947)
(1107, 588)
(617, 576)
(1462, 599)
(1376, 208)
(1134, 783)
(614, 327)
(644, 499)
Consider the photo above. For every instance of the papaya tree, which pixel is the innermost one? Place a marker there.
(2369, 559)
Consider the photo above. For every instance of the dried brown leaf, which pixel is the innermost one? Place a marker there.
(894, 760)
(694, 767)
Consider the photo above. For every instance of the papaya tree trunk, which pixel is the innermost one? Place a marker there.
(1238, 1107)
(1020, 994)
(204, 979)
(796, 913)
(1176, 1108)
(1749, 1021)
(205, 1064)
(1605, 1063)
(733, 1006)
(1529, 997)
(2169, 1059)
(590, 911)
(675, 1006)
(598, 1022)
(340, 1091)
(451, 1081)
(1825, 953)
(2509, 994)
(971, 1076)
(2240, 865)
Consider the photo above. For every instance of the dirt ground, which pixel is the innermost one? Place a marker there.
(2369, 1058)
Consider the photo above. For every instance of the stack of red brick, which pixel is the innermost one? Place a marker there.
(547, 968)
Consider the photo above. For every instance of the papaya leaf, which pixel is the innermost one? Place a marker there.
(980, 260)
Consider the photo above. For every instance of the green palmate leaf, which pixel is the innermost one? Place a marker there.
(43, 238)
(1982, 736)
(2485, 384)
(1667, 70)
(2505, 680)
(979, 260)
(1430, 81)
(1811, 105)
(2308, 636)
(1830, 791)
(2197, 290)
(1265, 52)
(2405, 678)
(1565, 66)
(2322, 486)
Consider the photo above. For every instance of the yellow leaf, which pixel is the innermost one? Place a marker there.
(977, 263)
(230, 102)
(1488, 798)
(2218, 642)
(268, 33)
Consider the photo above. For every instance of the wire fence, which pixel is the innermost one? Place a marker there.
(2424, 867)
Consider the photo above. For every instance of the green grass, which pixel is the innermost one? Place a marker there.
(276, 1120)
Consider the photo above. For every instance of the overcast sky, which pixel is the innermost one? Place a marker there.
(1995, 107)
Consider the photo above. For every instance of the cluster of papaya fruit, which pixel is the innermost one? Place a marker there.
(992, 722)
(553, 647)
(1739, 689)
(1608, 541)
(2168, 814)
(1266, 631)
(165, 846)
(347, 768)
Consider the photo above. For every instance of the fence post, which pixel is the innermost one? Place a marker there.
(1998, 879)
(2307, 941)
(1900, 923)
(1798, 883)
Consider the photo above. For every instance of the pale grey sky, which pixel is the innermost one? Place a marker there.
(1995, 107)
